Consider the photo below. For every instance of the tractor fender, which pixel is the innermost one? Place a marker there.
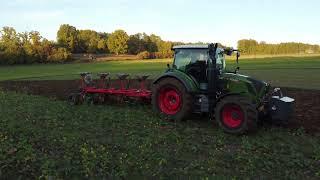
(232, 94)
(188, 82)
(227, 94)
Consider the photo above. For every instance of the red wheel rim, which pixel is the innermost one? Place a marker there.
(232, 115)
(169, 100)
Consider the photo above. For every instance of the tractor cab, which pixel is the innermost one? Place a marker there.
(193, 60)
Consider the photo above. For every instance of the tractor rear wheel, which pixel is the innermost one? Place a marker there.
(171, 99)
(236, 115)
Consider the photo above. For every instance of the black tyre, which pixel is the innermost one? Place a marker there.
(236, 115)
(171, 99)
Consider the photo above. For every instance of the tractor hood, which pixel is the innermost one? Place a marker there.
(239, 83)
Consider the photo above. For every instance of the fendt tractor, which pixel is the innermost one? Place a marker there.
(198, 82)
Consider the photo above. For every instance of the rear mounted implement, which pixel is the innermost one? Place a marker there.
(103, 89)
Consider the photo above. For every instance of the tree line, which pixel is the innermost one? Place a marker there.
(252, 47)
(31, 47)
(117, 42)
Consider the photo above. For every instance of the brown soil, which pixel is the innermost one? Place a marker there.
(307, 109)
(307, 102)
(58, 89)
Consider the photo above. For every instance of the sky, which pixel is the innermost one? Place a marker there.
(221, 21)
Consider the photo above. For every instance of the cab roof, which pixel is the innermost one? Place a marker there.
(191, 46)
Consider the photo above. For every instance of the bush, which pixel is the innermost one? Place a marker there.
(155, 55)
(161, 55)
(2, 57)
(144, 55)
(12, 56)
(59, 55)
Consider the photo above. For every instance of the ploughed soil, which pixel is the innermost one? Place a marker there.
(307, 102)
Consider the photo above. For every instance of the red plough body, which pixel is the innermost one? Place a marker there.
(123, 90)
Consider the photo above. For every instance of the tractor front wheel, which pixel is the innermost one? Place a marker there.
(236, 115)
(171, 99)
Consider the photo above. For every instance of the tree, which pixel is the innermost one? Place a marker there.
(164, 49)
(252, 47)
(92, 42)
(136, 44)
(11, 46)
(59, 55)
(29, 50)
(47, 48)
(35, 45)
(88, 41)
(103, 42)
(102, 45)
(28, 47)
(118, 42)
(248, 46)
(150, 42)
(67, 36)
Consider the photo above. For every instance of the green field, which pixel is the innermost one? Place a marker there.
(42, 138)
(301, 72)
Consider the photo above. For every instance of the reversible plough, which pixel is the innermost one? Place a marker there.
(104, 89)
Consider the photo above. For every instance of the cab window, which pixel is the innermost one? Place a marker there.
(184, 57)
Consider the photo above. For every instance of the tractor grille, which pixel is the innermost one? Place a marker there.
(257, 84)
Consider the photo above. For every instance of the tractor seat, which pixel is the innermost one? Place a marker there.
(122, 76)
(103, 75)
(197, 70)
(142, 77)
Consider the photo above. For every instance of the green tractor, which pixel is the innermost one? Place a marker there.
(198, 82)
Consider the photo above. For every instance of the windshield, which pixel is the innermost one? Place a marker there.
(184, 57)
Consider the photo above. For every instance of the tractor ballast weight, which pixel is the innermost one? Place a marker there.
(198, 82)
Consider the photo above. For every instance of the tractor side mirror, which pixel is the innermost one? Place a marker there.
(237, 68)
(229, 51)
(238, 55)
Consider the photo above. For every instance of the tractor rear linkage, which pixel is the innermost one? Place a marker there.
(100, 91)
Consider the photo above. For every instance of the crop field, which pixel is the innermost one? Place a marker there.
(300, 72)
(42, 136)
